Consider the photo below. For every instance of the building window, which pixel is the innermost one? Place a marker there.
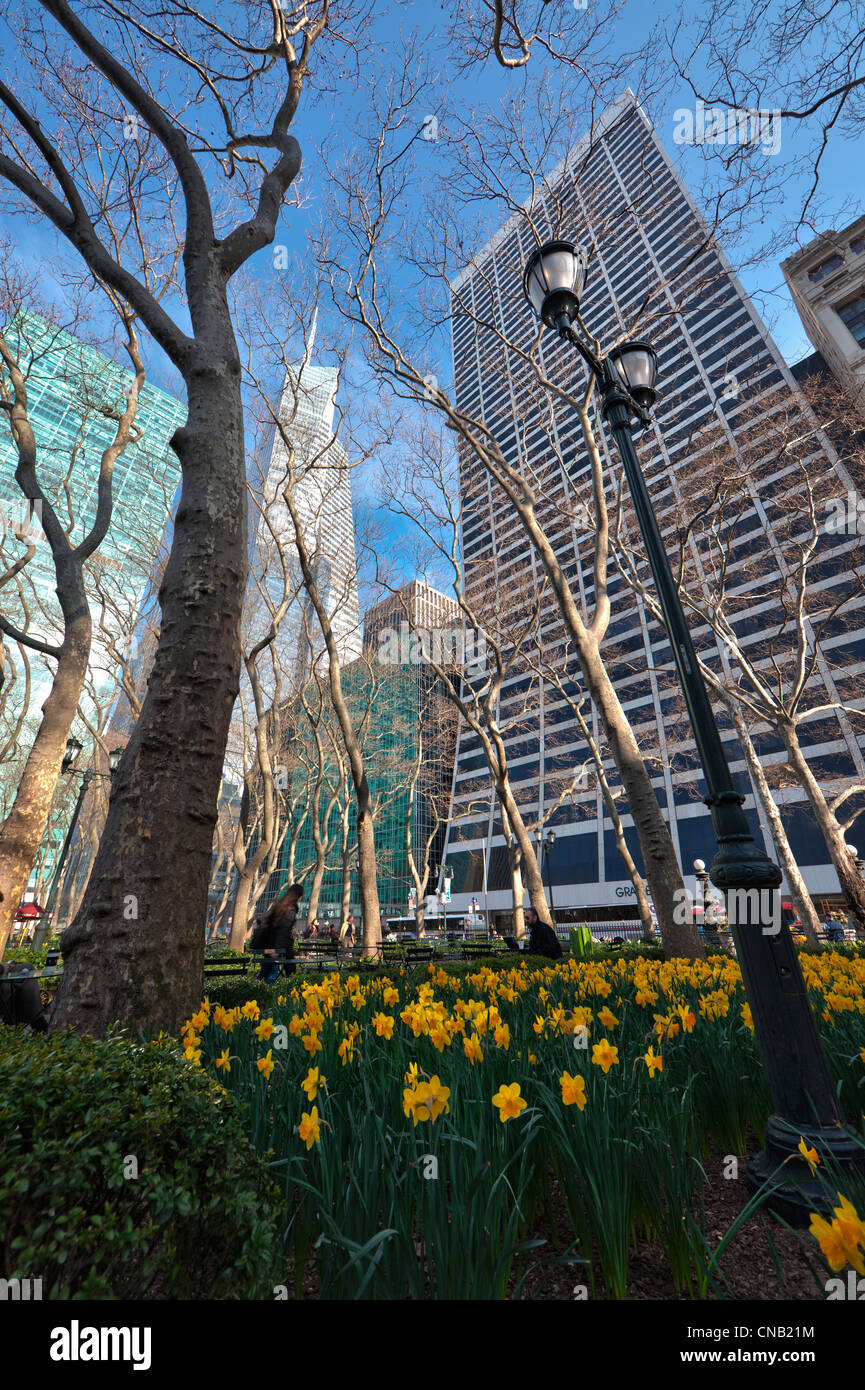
(857, 246)
(821, 271)
(853, 314)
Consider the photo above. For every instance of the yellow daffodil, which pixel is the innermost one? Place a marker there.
(653, 1062)
(607, 1017)
(311, 1043)
(502, 1036)
(264, 1029)
(266, 1064)
(311, 1083)
(810, 1156)
(573, 1090)
(840, 1239)
(223, 1061)
(431, 1096)
(309, 1130)
(473, 1050)
(509, 1102)
(605, 1056)
(383, 1024)
(251, 1010)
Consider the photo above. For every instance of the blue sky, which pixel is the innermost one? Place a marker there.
(335, 120)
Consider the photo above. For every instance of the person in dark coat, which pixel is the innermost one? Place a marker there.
(542, 939)
(21, 1002)
(276, 933)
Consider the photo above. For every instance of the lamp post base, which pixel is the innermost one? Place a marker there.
(794, 1193)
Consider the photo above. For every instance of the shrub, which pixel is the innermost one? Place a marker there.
(198, 1221)
(234, 991)
(27, 955)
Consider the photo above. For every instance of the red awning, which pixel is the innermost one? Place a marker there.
(26, 910)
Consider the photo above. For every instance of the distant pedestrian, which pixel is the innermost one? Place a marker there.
(275, 932)
(349, 934)
(334, 934)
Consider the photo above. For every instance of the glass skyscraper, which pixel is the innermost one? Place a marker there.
(322, 495)
(654, 264)
(70, 389)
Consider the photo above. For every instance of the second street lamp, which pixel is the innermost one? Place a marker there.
(545, 843)
(800, 1080)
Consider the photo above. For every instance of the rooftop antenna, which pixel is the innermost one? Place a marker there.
(307, 356)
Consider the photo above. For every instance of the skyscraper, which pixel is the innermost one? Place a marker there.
(71, 388)
(416, 605)
(322, 495)
(652, 256)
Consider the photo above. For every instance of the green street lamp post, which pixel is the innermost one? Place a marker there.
(805, 1105)
(545, 844)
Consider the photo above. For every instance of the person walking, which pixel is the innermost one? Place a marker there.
(275, 932)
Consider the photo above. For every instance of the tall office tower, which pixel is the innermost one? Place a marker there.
(827, 282)
(322, 493)
(71, 390)
(654, 266)
(417, 606)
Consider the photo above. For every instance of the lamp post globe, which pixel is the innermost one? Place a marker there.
(635, 364)
(73, 748)
(114, 760)
(553, 281)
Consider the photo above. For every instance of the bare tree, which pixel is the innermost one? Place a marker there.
(371, 195)
(156, 194)
(772, 611)
(21, 347)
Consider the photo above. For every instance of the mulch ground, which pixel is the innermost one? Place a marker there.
(763, 1262)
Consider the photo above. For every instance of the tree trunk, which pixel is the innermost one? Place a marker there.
(530, 874)
(851, 880)
(419, 918)
(518, 894)
(320, 856)
(240, 912)
(25, 825)
(346, 888)
(135, 951)
(680, 939)
(798, 892)
(368, 879)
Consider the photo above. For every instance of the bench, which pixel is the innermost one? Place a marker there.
(472, 950)
(221, 966)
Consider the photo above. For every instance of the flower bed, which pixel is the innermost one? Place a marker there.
(413, 1126)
